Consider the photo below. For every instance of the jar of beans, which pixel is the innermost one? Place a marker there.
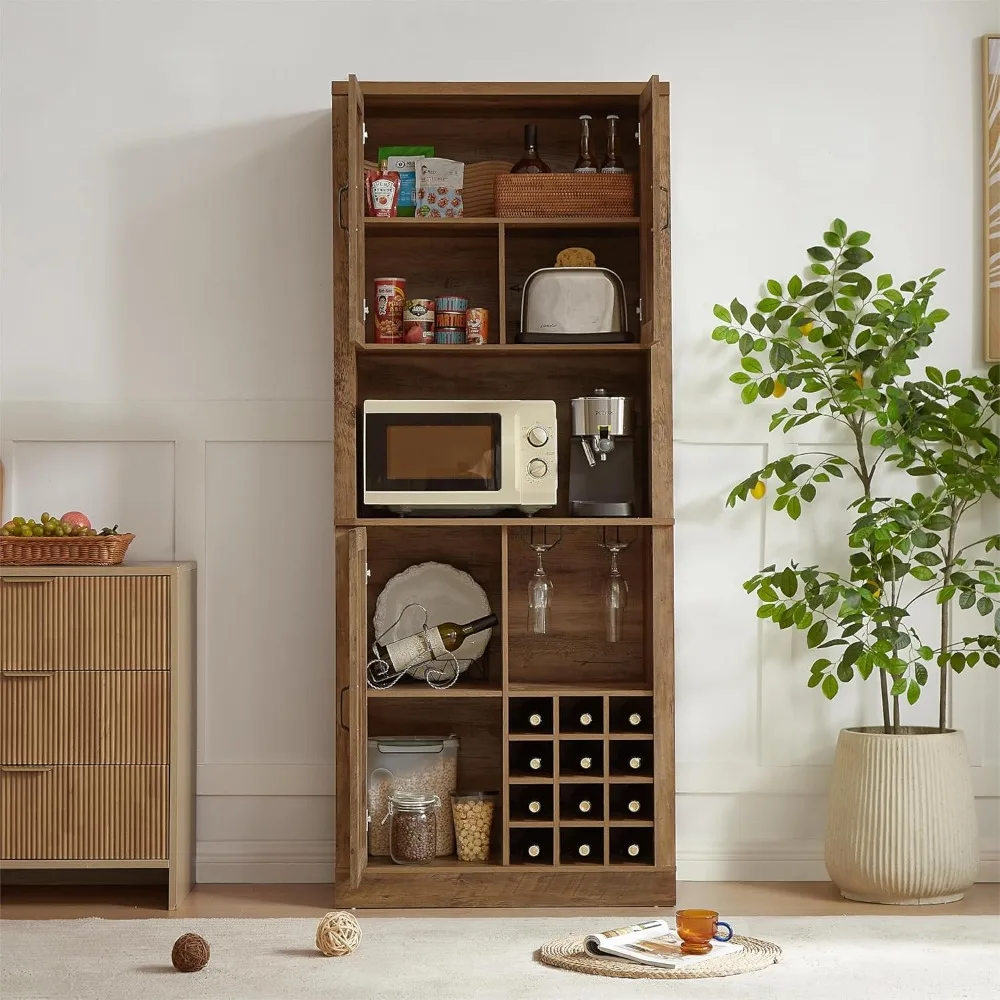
(413, 827)
(473, 815)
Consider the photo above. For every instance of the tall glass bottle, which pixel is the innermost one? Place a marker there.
(531, 162)
(612, 161)
(585, 162)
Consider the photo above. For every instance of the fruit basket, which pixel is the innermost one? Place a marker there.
(57, 542)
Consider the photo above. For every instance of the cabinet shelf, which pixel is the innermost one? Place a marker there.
(490, 225)
(469, 689)
(461, 350)
(504, 522)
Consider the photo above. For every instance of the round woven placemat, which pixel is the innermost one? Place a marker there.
(569, 953)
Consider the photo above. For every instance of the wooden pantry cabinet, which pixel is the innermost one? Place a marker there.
(621, 802)
(96, 719)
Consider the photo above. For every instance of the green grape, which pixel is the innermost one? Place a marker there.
(38, 531)
(46, 517)
(47, 528)
(26, 532)
(59, 533)
(19, 521)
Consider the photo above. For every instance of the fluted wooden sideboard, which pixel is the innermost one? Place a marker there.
(96, 719)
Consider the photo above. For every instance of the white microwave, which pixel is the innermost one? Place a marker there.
(460, 456)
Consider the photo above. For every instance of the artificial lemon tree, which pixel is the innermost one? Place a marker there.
(843, 346)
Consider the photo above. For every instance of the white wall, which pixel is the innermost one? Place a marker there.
(166, 348)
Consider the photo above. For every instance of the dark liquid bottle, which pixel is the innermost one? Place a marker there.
(612, 161)
(531, 162)
(585, 162)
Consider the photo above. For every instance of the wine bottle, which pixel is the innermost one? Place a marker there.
(534, 806)
(585, 163)
(533, 851)
(584, 850)
(586, 763)
(586, 719)
(431, 643)
(632, 850)
(535, 763)
(531, 162)
(612, 163)
(534, 719)
(634, 720)
(635, 763)
(634, 805)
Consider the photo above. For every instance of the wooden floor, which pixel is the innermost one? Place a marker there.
(793, 899)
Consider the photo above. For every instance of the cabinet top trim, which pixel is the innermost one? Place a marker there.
(148, 568)
(381, 88)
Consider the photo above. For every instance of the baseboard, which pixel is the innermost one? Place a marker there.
(312, 861)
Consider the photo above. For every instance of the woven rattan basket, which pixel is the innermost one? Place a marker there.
(548, 195)
(86, 550)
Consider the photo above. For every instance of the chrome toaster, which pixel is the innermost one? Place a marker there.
(573, 305)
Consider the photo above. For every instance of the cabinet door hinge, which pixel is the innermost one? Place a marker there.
(368, 572)
(638, 133)
(638, 309)
(364, 133)
(364, 303)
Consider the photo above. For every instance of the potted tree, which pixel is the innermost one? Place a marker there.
(901, 825)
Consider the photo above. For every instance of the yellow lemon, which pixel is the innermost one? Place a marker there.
(806, 327)
(779, 389)
(759, 489)
(874, 588)
(858, 377)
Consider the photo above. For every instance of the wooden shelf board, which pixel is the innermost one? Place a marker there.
(508, 522)
(474, 225)
(524, 737)
(630, 736)
(581, 779)
(622, 823)
(592, 824)
(596, 736)
(470, 689)
(449, 865)
(461, 350)
(523, 779)
(630, 779)
(569, 691)
(532, 824)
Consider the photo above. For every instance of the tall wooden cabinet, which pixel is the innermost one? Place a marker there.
(96, 719)
(573, 670)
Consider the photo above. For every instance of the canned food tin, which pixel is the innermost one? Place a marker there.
(477, 325)
(418, 332)
(452, 303)
(449, 337)
(390, 296)
(419, 311)
(449, 320)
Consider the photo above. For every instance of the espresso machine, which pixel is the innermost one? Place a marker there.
(602, 456)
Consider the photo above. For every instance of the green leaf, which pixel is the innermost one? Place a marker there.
(788, 582)
(749, 393)
(732, 336)
(814, 288)
(751, 365)
(857, 255)
(883, 282)
(920, 672)
(936, 316)
(768, 305)
(953, 376)
(819, 268)
(832, 239)
(839, 227)
(922, 573)
(934, 374)
(738, 310)
(746, 343)
(816, 634)
(966, 599)
(984, 605)
(808, 492)
(945, 594)
(774, 287)
(898, 687)
(912, 692)
(794, 508)
(740, 378)
(719, 333)
(846, 674)
(757, 321)
(823, 301)
(858, 239)
(830, 686)
(958, 662)
(794, 286)
(819, 253)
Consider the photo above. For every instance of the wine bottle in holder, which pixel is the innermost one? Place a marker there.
(431, 643)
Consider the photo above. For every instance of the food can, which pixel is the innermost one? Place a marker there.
(417, 332)
(390, 297)
(477, 325)
(452, 303)
(449, 320)
(451, 336)
(419, 311)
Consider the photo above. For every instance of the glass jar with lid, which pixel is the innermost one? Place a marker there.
(413, 827)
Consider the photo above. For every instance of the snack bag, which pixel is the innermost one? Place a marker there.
(439, 187)
(403, 159)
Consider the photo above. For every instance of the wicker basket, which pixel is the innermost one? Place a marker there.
(477, 185)
(84, 550)
(548, 195)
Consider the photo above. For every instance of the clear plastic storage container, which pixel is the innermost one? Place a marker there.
(418, 765)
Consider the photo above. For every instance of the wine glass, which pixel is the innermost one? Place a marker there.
(540, 586)
(615, 592)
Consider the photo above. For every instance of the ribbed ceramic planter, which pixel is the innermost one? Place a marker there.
(901, 826)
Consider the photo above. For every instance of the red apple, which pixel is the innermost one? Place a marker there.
(75, 517)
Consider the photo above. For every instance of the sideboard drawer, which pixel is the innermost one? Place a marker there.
(84, 717)
(72, 813)
(84, 623)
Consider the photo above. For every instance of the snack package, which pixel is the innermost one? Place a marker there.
(439, 187)
(381, 192)
(403, 159)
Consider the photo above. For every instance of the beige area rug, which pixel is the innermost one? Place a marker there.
(451, 958)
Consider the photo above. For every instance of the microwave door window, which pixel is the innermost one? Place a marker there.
(434, 452)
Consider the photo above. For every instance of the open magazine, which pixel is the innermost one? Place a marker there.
(653, 942)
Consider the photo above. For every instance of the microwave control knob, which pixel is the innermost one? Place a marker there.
(537, 468)
(538, 436)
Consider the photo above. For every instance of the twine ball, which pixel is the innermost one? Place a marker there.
(338, 933)
(190, 953)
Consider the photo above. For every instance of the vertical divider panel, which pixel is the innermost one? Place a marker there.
(502, 311)
(505, 686)
(607, 779)
(660, 636)
(556, 781)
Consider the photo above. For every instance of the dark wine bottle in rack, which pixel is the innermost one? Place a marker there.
(628, 801)
(581, 715)
(531, 715)
(530, 847)
(530, 802)
(631, 758)
(581, 802)
(529, 759)
(582, 846)
(631, 846)
(581, 758)
(631, 715)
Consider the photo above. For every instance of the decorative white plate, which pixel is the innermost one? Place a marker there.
(448, 594)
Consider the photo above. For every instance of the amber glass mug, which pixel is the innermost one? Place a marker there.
(698, 929)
